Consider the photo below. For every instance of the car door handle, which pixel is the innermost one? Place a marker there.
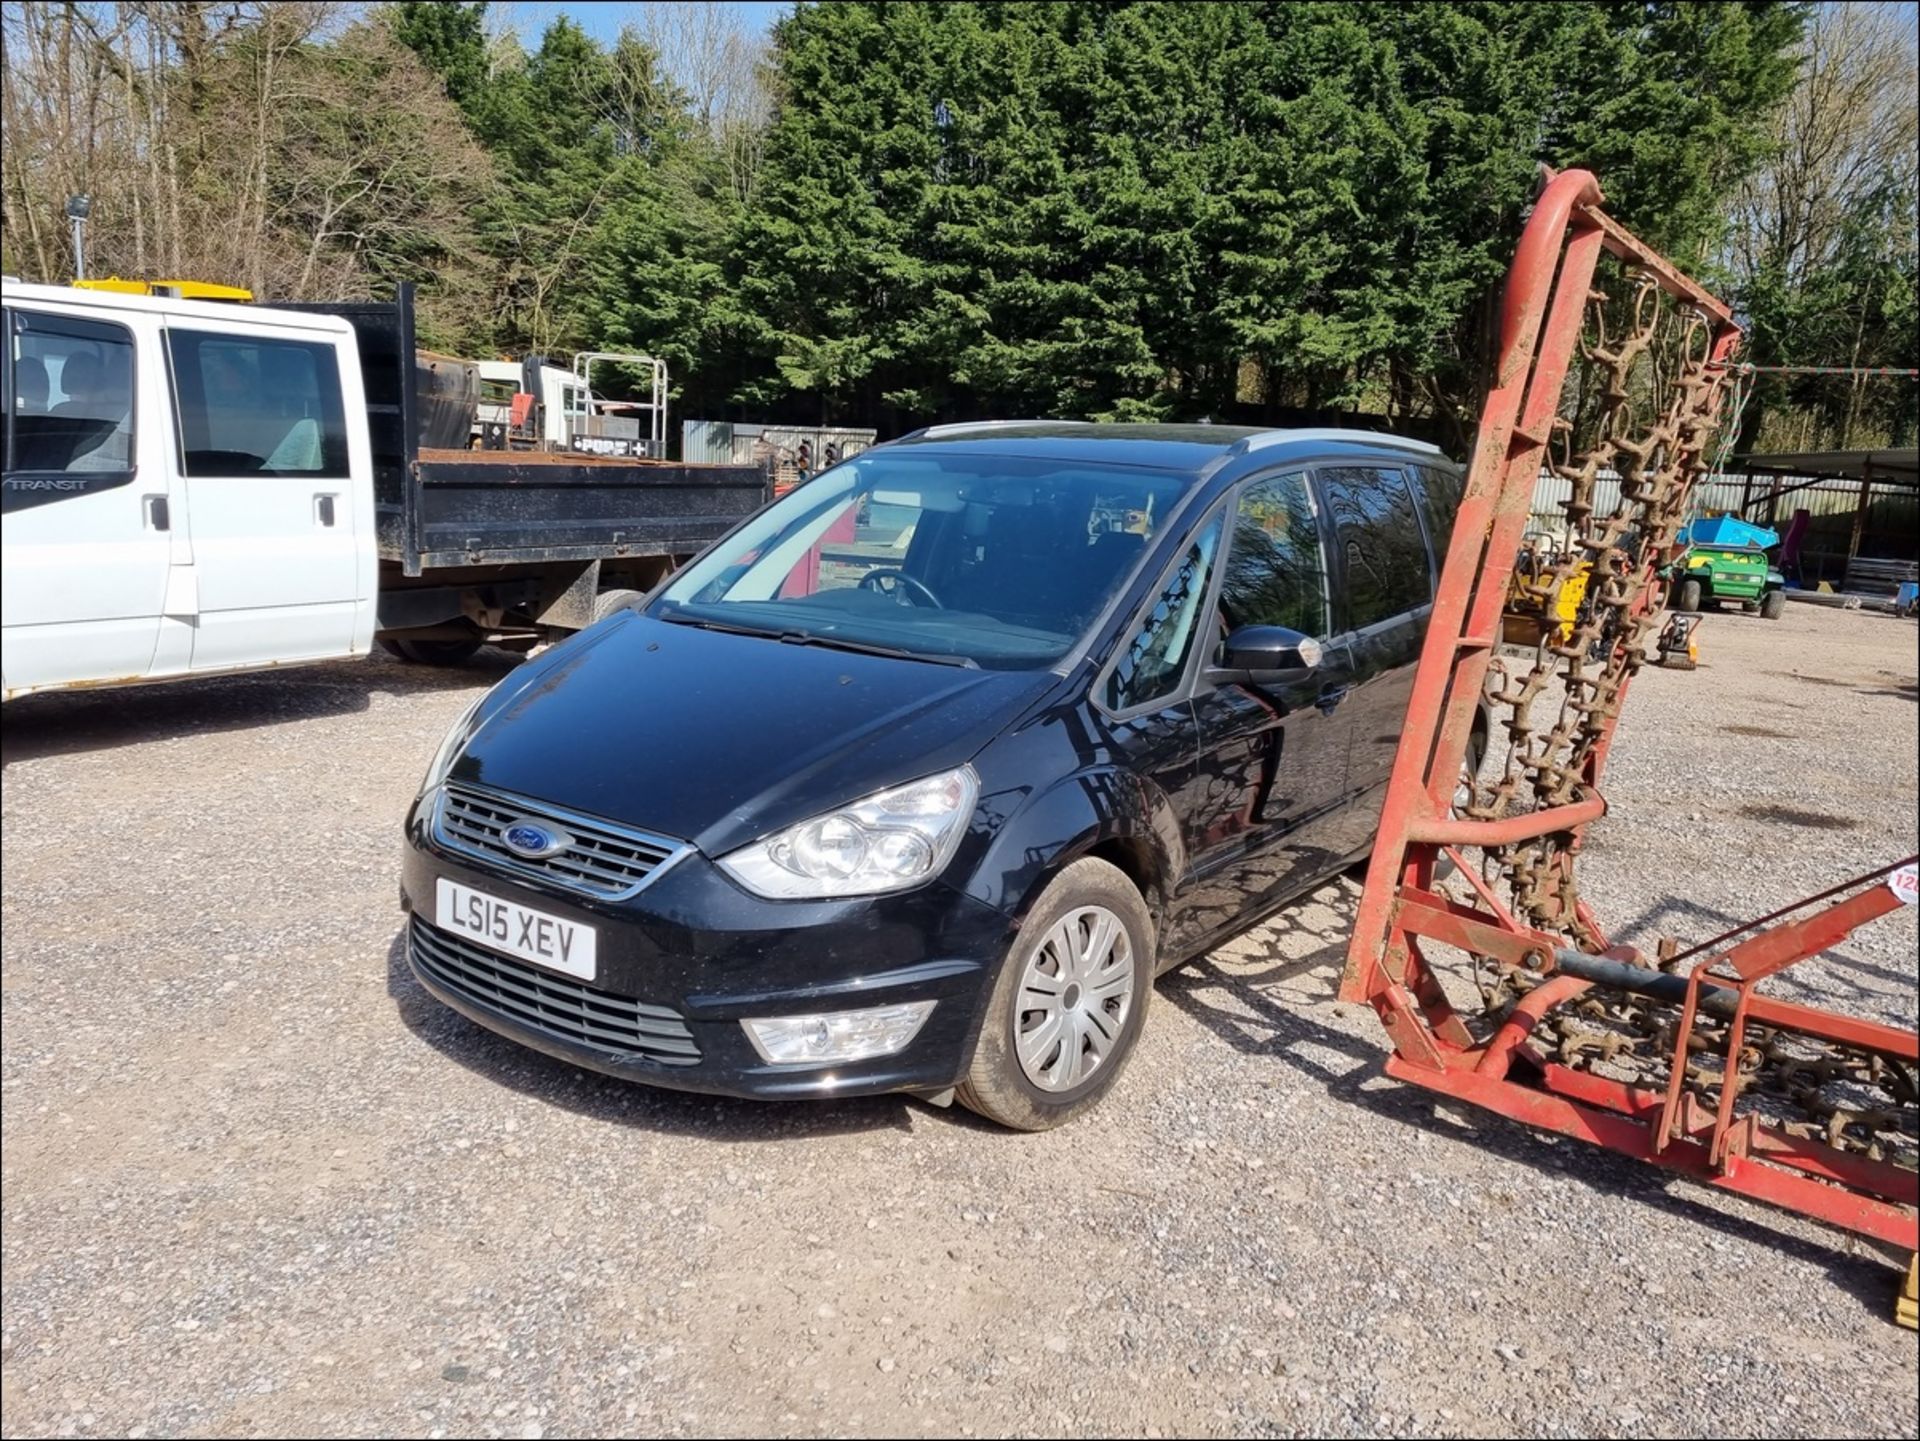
(1330, 697)
(157, 516)
(323, 509)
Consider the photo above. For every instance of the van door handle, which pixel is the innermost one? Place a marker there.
(157, 517)
(323, 509)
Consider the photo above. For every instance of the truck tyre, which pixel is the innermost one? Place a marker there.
(1068, 1004)
(1773, 605)
(1686, 595)
(436, 652)
(609, 601)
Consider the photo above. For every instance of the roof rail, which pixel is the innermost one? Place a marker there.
(1340, 433)
(962, 427)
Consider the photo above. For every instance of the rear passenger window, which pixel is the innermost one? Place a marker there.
(1155, 660)
(1379, 537)
(1276, 573)
(251, 406)
(70, 406)
(1440, 492)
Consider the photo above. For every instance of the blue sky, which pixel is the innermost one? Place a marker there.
(602, 19)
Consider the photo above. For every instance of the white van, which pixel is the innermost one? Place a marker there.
(192, 488)
(187, 486)
(567, 413)
(564, 401)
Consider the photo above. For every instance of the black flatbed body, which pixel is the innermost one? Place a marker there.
(447, 509)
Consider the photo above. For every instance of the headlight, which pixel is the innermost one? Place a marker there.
(887, 842)
(450, 747)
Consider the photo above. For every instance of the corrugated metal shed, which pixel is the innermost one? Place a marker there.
(728, 442)
(1861, 532)
(1882, 467)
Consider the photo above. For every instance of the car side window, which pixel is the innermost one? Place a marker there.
(1441, 488)
(69, 405)
(1276, 570)
(257, 406)
(1154, 659)
(1378, 534)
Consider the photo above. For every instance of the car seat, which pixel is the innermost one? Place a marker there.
(30, 388)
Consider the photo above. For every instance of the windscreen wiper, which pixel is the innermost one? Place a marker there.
(834, 642)
(678, 617)
(831, 642)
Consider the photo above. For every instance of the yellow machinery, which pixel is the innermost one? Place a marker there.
(178, 289)
(1678, 647)
(1111, 513)
(1534, 608)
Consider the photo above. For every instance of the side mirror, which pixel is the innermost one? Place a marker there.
(1267, 655)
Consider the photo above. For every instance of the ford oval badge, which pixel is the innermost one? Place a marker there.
(534, 842)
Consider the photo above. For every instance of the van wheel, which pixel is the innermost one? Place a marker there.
(1773, 605)
(609, 601)
(1686, 596)
(1068, 1004)
(435, 652)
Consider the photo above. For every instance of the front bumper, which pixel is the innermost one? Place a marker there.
(695, 944)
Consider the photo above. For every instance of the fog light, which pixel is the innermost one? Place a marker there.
(832, 1036)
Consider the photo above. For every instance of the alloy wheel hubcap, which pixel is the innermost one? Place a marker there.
(1463, 793)
(1076, 992)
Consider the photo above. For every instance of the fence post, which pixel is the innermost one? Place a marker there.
(1860, 510)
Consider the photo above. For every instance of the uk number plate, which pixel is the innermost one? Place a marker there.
(518, 930)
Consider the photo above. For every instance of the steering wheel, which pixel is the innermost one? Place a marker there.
(898, 584)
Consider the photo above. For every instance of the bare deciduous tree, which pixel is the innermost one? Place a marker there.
(225, 142)
(116, 102)
(1845, 130)
(1818, 232)
(714, 55)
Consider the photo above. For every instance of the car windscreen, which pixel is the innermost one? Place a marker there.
(997, 560)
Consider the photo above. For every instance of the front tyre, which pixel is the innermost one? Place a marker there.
(1068, 1005)
(609, 601)
(1773, 605)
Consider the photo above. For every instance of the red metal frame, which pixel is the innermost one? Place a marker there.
(1542, 316)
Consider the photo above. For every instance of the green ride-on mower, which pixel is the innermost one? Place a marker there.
(1725, 559)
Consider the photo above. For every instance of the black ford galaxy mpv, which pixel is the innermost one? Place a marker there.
(916, 780)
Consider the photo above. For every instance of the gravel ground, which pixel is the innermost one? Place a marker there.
(256, 1182)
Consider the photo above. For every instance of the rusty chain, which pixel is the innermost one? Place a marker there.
(1645, 412)
(1551, 762)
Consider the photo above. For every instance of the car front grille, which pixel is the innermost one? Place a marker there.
(555, 1005)
(600, 859)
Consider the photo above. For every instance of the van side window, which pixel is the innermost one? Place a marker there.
(1379, 536)
(1154, 661)
(254, 406)
(69, 405)
(1276, 570)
